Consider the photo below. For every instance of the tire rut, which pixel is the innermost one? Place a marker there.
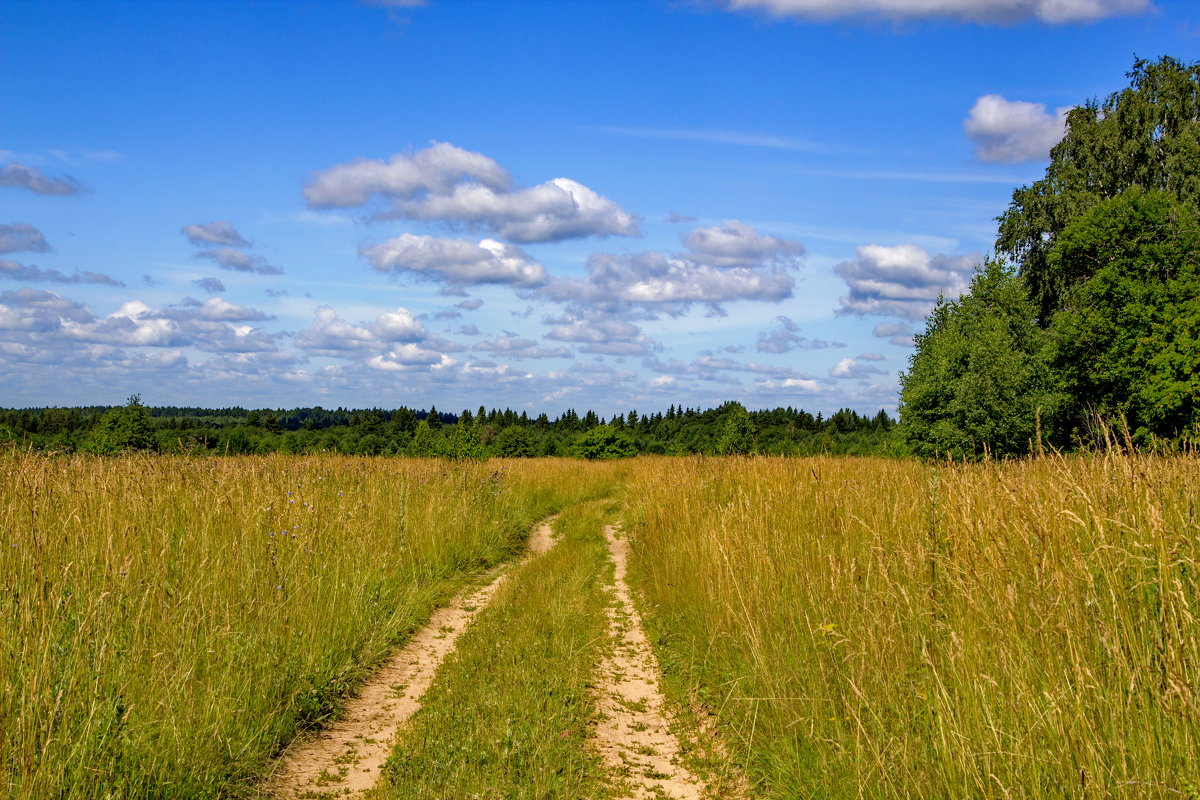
(344, 760)
(633, 736)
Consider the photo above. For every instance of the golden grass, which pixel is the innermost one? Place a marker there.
(167, 623)
(872, 628)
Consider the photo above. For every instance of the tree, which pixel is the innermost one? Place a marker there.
(737, 434)
(515, 442)
(978, 382)
(1127, 338)
(1146, 136)
(463, 443)
(604, 442)
(128, 427)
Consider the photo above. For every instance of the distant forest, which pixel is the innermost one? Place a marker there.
(728, 429)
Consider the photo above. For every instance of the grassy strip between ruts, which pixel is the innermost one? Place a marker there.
(166, 624)
(510, 713)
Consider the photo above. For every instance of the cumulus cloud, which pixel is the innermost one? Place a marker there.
(872, 357)
(852, 368)
(51, 322)
(16, 271)
(239, 261)
(1053, 12)
(434, 170)
(736, 244)
(470, 304)
(730, 262)
(405, 356)
(210, 285)
(902, 281)
(395, 340)
(20, 237)
(448, 184)
(672, 284)
(598, 334)
(786, 338)
(22, 176)
(549, 212)
(217, 309)
(1010, 131)
(456, 261)
(206, 234)
(518, 347)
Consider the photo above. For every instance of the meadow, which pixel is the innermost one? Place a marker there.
(892, 629)
(847, 626)
(167, 624)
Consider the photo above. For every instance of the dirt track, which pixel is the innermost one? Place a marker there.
(344, 759)
(632, 735)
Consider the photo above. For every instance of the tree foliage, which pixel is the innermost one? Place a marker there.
(1101, 319)
(126, 428)
(1146, 136)
(977, 382)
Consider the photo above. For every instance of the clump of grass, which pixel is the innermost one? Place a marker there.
(168, 623)
(509, 714)
(891, 629)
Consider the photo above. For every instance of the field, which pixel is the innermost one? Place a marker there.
(826, 627)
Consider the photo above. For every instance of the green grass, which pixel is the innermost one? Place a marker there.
(168, 623)
(889, 629)
(509, 713)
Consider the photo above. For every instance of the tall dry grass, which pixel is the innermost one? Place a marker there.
(872, 628)
(166, 623)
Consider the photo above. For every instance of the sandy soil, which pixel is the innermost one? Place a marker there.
(344, 759)
(633, 736)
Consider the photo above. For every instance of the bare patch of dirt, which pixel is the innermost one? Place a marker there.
(633, 737)
(344, 759)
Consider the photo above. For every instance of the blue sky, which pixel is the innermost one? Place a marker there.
(605, 204)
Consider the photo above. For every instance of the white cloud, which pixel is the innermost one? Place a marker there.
(672, 284)
(394, 341)
(20, 237)
(239, 261)
(398, 326)
(902, 281)
(800, 386)
(405, 356)
(1010, 131)
(66, 324)
(457, 261)
(851, 368)
(1055, 12)
(736, 244)
(557, 209)
(518, 347)
(436, 169)
(22, 176)
(217, 309)
(597, 334)
(448, 184)
(205, 234)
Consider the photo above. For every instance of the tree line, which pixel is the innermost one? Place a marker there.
(727, 429)
(1085, 325)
